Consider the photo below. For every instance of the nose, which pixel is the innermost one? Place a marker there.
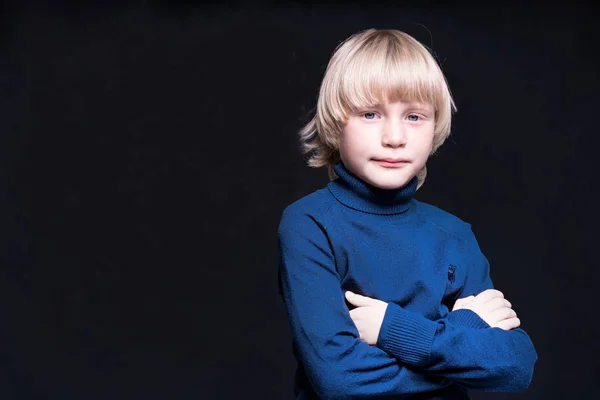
(394, 134)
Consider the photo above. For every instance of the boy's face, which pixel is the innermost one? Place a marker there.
(400, 131)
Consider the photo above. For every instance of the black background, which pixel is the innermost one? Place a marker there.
(147, 150)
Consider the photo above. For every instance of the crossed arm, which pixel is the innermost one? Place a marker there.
(412, 354)
(490, 305)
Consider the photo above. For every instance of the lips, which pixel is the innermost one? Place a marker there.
(393, 160)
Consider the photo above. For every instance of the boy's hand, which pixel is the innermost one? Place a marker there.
(492, 307)
(368, 316)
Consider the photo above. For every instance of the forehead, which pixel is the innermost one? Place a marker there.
(372, 83)
(390, 93)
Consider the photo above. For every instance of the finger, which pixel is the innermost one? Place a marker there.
(498, 302)
(490, 294)
(465, 299)
(502, 314)
(357, 299)
(462, 302)
(353, 314)
(359, 330)
(509, 323)
(356, 314)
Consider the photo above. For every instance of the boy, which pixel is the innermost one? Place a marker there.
(425, 320)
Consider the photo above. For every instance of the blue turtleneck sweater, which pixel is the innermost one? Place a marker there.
(419, 259)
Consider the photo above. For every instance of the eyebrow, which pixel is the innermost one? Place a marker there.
(410, 105)
(423, 108)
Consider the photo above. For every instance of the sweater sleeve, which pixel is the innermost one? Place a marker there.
(462, 346)
(337, 363)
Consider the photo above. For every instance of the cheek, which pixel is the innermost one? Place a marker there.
(353, 144)
(425, 142)
(343, 145)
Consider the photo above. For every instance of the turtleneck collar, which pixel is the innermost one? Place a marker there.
(350, 190)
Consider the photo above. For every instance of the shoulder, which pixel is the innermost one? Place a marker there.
(443, 220)
(303, 225)
(313, 207)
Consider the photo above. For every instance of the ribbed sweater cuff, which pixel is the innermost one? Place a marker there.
(406, 335)
(468, 318)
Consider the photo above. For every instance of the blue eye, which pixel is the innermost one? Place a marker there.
(414, 120)
(369, 113)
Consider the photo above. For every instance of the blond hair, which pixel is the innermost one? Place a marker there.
(366, 68)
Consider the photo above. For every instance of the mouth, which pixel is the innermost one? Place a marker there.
(392, 162)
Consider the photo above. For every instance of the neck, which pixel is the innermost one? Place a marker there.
(360, 195)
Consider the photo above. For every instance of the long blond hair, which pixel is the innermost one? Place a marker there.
(366, 68)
